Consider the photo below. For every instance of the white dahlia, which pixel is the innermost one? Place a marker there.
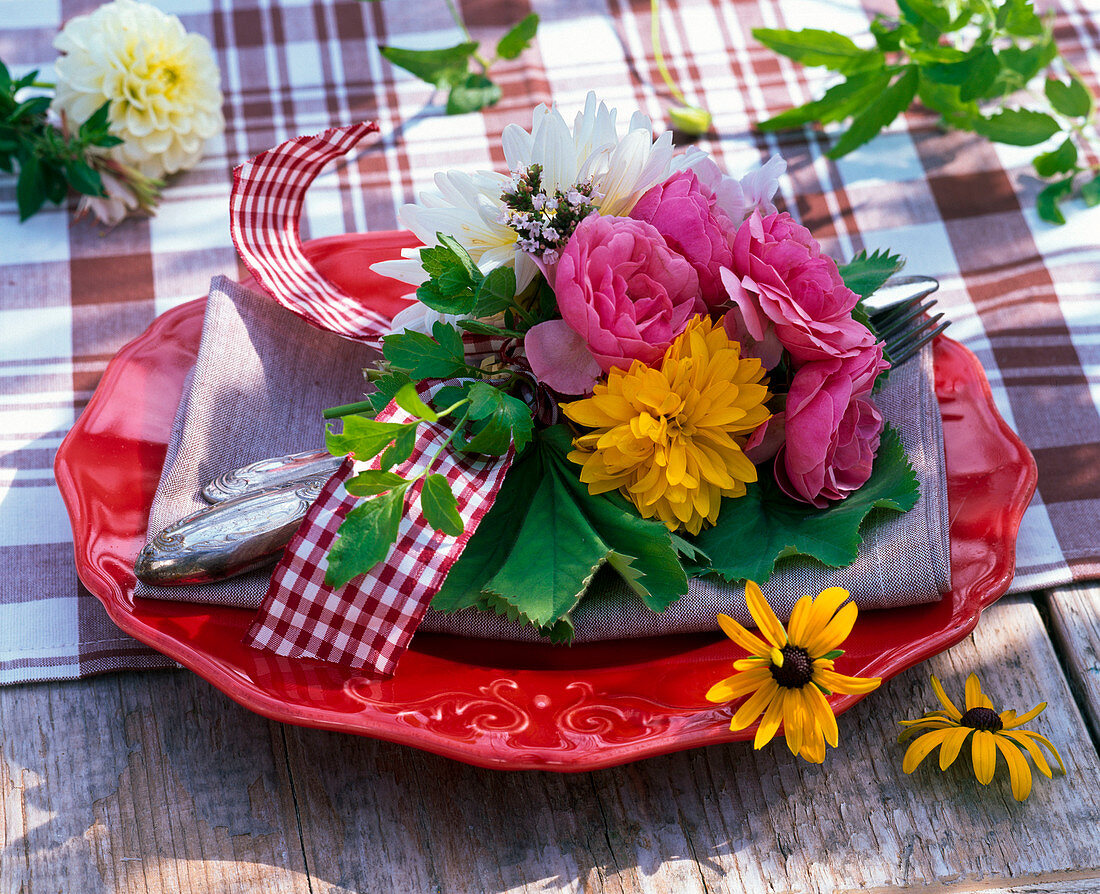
(162, 83)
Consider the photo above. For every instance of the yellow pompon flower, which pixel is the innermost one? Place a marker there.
(949, 729)
(788, 673)
(670, 438)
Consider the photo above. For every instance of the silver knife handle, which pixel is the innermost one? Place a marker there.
(276, 471)
(230, 538)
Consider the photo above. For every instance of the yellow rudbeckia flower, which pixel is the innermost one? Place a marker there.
(788, 674)
(670, 438)
(949, 729)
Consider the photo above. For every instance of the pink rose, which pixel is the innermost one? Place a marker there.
(686, 213)
(832, 429)
(780, 282)
(623, 290)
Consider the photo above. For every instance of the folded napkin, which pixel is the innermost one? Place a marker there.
(263, 376)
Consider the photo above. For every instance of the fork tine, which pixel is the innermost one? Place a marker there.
(907, 346)
(895, 323)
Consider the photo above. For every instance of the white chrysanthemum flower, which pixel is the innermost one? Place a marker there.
(162, 83)
(469, 207)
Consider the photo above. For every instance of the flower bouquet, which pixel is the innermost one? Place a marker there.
(663, 375)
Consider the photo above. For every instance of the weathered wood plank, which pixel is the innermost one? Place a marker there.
(378, 817)
(1075, 626)
(142, 782)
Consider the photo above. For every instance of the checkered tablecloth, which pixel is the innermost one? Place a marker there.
(1021, 293)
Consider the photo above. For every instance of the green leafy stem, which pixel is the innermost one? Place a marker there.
(448, 68)
(972, 61)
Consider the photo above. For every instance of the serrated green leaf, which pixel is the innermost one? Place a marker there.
(814, 47)
(387, 386)
(1048, 201)
(838, 102)
(1072, 100)
(409, 401)
(30, 188)
(496, 293)
(365, 537)
(894, 100)
(1090, 192)
(473, 93)
(1062, 159)
(443, 68)
(865, 274)
(365, 438)
(982, 78)
(425, 357)
(1026, 63)
(513, 415)
(1017, 127)
(461, 256)
(930, 12)
(400, 450)
(1018, 18)
(97, 124)
(754, 531)
(370, 482)
(518, 37)
(440, 508)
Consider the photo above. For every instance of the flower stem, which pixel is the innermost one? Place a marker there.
(481, 60)
(658, 56)
(347, 409)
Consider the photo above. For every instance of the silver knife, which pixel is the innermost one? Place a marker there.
(239, 534)
(273, 472)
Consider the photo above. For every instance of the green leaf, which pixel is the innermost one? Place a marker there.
(1018, 18)
(753, 532)
(1072, 100)
(370, 482)
(400, 450)
(488, 548)
(97, 124)
(496, 293)
(475, 92)
(409, 401)
(84, 179)
(1017, 127)
(365, 537)
(838, 102)
(443, 68)
(931, 12)
(5, 78)
(1090, 192)
(388, 385)
(1047, 202)
(1062, 159)
(812, 46)
(983, 76)
(30, 189)
(519, 37)
(424, 357)
(865, 274)
(1025, 64)
(479, 328)
(361, 436)
(887, 33)
(439, 505)
(879, 113)
(490, 404)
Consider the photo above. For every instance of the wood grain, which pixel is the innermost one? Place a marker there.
(156, 782)
(1075, 626)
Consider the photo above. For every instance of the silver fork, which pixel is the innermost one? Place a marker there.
(904, 324)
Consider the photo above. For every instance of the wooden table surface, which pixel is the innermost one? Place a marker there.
(156, 782)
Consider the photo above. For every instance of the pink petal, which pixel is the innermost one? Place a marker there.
(560, 359)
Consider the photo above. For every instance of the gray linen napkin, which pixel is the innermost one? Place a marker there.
(263, 377)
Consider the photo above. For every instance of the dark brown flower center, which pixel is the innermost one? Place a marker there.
(982, 718)
(797, 669)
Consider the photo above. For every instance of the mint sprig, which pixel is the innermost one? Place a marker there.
(970, 61)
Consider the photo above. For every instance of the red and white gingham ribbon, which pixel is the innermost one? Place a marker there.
(264, 208)
(368, 623)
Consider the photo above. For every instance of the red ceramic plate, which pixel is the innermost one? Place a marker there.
(488, 703)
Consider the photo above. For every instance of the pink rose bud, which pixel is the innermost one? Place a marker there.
(623, 290)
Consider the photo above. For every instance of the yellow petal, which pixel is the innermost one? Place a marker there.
(921, 747)
(824, 607)
(747, 641)
(984, 753)
(750, 663)
(822, 713)
(813, 745)
(1048, 744)
(1011, 722)
(795, 719)
(754, 705)
(952, 744)
(955, 713)
(1021, 738)
(738, 685)
(798, 626)
(975, 698)
(769, 723)
(835, 682)
(835, 632)
(764, 616)
(1019, 773)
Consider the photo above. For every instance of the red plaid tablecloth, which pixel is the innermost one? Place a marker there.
(1021, 293)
